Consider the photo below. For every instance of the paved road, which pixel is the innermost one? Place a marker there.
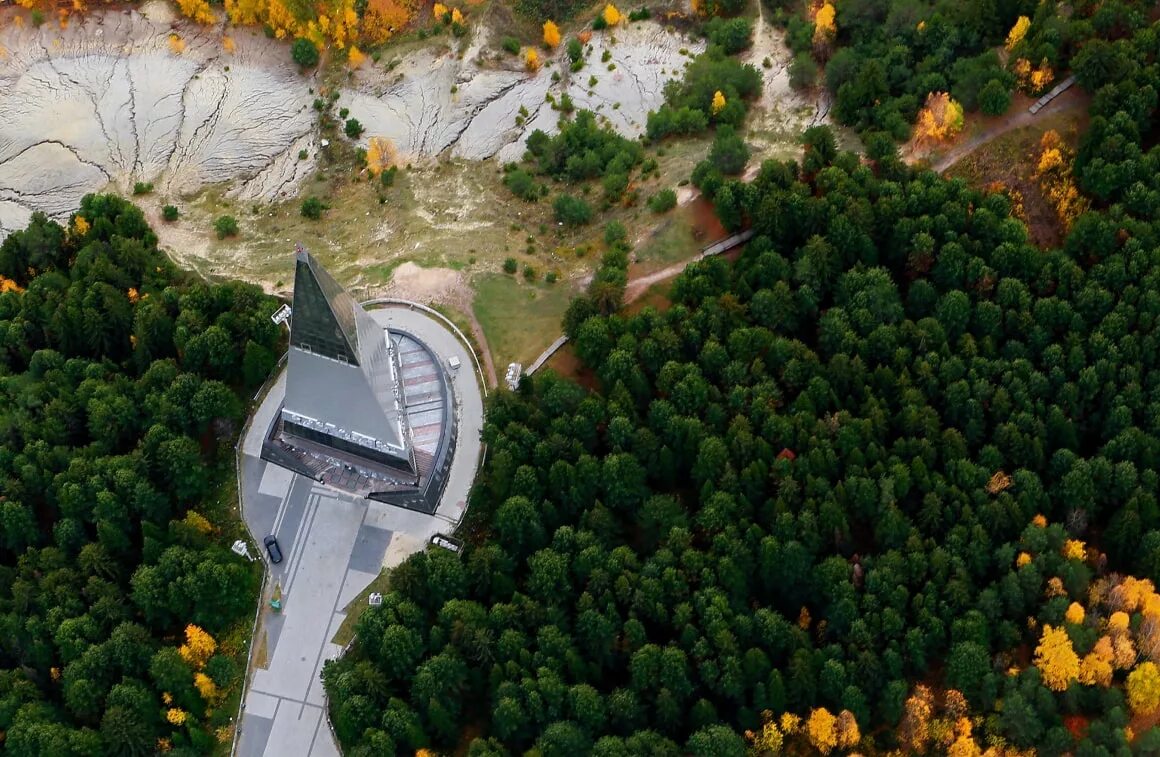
(333, 546)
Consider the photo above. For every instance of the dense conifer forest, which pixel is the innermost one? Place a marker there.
(887, 482)
(124, 617)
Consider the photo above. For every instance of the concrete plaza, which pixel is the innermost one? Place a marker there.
(333, 546)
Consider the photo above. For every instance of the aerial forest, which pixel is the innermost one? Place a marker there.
(124, 616)
(887, 482)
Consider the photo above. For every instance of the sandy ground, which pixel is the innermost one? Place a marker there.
(413, 104)
(108, 100)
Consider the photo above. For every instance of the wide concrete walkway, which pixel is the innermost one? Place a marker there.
(333, 546)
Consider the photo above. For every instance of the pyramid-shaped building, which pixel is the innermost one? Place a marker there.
(342, 381)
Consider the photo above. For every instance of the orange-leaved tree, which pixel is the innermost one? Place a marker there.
(551, 35)
(825, 28)
(381, 155)
(383, 18)
(822, 730)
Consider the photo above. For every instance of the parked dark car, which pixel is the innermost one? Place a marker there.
(272, 549)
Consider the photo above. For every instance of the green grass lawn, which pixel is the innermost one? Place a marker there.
(345, 633)
(519, 319)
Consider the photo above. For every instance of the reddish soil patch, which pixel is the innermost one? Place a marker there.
(567, 365)
(1010, 161)
(706, 228)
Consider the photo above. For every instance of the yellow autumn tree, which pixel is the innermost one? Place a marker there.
(176, 716)
(1124, 653)
(1074, 549)
(914, 729)
(80, 226)
(1075, 613)
(940, 119)
(381, 155)
(193, 518)
(789, 723)
(825, 28)
(456, 16)
(1018, 32)
(1144, 689)
(205, 686)
(847, 730)
(611, 15)
(551, 35)
(1022, 559)
(176, 44)
(355, 57)
(1095, 669)
(769, 739)
(439, 10)
(198, 10)
(199, 646)
(822, 731)
(532, 60)
(716, 107)
(1056, 659)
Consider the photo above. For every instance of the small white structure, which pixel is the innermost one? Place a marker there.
(280, 315)
(512, 379)
(241, 549)
(453, 361)
(375, 599)
(447, 542)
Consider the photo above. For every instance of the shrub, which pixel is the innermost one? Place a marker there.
(304, 53)
(387, 177)
(312, 208)
(615, 185)
(303, 155)
(614, 233)
(510, 265)
(353, 128)
(572, 211)
(731, 35)
(640, 14)
(729, 152)
(226, 226)
(995, 98)
(575, 50)
(803, 71)
(511, 45)
(606, 56)
(170, 213)
(142, 188)
(522, 185)
(550, 277)
(599, 23)
(663, 201)
(566, 105)
(529, 273)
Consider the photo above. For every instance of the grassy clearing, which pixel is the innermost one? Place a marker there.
(345, 633)
(1010, 160)
(519, 319)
